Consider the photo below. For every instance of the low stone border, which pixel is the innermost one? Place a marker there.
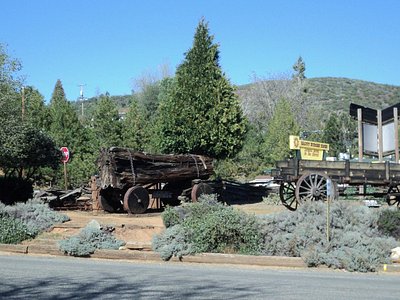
(211, 258)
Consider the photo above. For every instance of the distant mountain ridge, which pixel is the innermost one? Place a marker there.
(331, 93)
(324, 94)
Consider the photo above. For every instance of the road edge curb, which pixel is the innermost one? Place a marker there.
(209, 258)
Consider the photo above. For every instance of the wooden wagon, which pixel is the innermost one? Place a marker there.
(308, 180)
(128, 179)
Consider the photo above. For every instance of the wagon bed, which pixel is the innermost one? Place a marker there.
(307, 180)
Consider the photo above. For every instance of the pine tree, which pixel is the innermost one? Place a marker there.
(281, 126)
(133, 135)
(201, 114)
(67, 131)
(300, 68)
(106, 123)
(336, 135)
(65, 125)
(332, 135)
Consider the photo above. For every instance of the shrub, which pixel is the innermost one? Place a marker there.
(15, 190)
(389, 223)
(272, 199)
(173, 242)
(12, 231)
(36, 215)
(208, 226)
(90, 238)
(224, 230)
(355, 243)
(170, 216)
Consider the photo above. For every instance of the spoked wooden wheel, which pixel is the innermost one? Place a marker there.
(393, 196)
(287, 195)
(136, 200)
(314, 187)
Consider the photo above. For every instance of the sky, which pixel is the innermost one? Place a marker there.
(108, 45)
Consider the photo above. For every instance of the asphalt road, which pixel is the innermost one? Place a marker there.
(74, 278)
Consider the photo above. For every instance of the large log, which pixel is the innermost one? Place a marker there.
(122, 167)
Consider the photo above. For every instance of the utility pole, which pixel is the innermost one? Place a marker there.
(81, 97)
(23, 117)
(23, 103)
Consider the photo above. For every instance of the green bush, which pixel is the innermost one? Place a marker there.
(208, 226)
(14, 189)
(36, 215)
(389, 223)
(12, 231)
(354, 243)
(170, 216)
(90, 238)
(173, 242)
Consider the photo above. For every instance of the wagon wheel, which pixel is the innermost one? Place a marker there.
(313, 187)
(175, 190)
(136, 200)
(287, 195)
(393, 199)
(109, 200)
(200, 189)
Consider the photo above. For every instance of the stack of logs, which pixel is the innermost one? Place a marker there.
(120, 167)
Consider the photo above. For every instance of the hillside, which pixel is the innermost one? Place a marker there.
(325, 94)
(334, 94)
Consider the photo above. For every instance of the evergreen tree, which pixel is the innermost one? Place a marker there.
(67, 131)
(65, 125)
(133, 135)
(339, 133)
(148, 98)
(333, 136)
(300, 68)
(281, 126)
(36, 112)
(249, 161)
(106, 123)
(201, 114)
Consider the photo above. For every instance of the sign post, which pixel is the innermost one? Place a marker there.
(64, 160)
(328, 199)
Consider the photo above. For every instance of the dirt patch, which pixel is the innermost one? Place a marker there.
(130, 228)
(136, 230)
(260, 208)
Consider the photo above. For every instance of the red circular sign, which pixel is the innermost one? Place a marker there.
(65, 154)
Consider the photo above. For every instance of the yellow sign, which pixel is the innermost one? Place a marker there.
(309, 150)
(311, 154)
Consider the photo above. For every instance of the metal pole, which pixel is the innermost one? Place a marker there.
(65, 175)
(328, 193)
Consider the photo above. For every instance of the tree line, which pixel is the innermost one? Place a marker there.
(195, 111)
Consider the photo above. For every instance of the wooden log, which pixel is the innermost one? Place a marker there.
(122, 167)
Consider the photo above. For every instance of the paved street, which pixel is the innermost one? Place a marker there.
(75, 278)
